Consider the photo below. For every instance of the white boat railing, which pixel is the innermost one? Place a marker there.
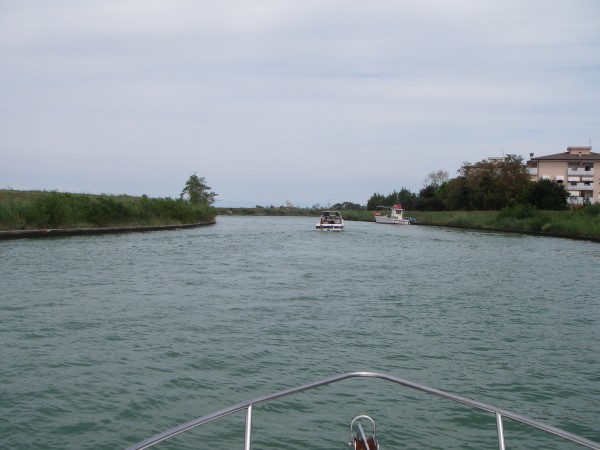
(248, 406)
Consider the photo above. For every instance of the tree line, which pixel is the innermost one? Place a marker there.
(488, 185)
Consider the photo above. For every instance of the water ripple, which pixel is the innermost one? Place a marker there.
(110, 339)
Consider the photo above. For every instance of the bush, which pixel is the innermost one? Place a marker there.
(591, 210)
(547, 195)
(518, 212)
(48, 211)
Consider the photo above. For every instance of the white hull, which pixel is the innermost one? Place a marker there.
(383, 219)
(394, 215)
(330, 227)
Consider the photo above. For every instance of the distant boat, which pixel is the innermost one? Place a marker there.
(391, 214)
(330, 221)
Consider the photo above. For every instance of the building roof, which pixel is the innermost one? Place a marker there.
(567, 156)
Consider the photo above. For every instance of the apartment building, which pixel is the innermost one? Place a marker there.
(578, 169)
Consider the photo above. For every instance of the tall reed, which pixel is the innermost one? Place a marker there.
(20, 210)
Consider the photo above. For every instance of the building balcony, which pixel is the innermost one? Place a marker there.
(532, 171)
(572, 200)
(576, 200)
(580, 187)
(581, 172)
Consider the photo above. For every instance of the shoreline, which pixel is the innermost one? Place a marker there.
(64, 232)
(505, 230)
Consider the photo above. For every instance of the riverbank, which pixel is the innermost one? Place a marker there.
(42, 213)
(35, 213)
(64, 232)
(583, 224)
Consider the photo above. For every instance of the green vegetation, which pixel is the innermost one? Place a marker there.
(493, 194)
(488, 185)
(196, 191)
(496, 194)
(271, 211)
(582, 223)
(29, 210)
(501, 189)
(358, 215)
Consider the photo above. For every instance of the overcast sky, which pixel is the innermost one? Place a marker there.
(312, 101)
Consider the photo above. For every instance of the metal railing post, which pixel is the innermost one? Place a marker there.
(500, 431)
(248, 428)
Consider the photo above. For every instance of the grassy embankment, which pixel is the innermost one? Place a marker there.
(31, 210)
(581, 223)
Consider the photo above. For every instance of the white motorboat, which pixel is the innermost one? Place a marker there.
(358, 435)
(330, 221)
(391, 214)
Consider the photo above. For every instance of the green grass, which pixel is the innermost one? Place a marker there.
(583, 222)
(30, 210)
(363, 216)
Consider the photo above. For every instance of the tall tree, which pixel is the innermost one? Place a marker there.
(436, 178)
(455, 194)
(548, 195)
(375, 201)
(494, 184)
(428, 199)
(197, 191)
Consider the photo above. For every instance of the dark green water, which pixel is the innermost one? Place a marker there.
(108, 340)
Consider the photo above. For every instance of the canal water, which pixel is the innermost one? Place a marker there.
(107, 340)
